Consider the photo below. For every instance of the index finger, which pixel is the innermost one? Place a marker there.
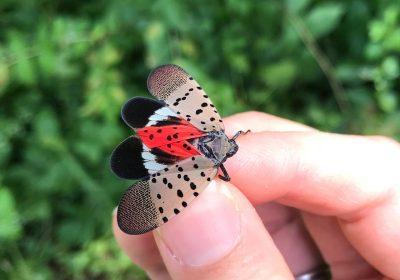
(354, 178)
(258, 122)
(319, 172)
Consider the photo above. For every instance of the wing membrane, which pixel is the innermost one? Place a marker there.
(184, 96)
(150, 203)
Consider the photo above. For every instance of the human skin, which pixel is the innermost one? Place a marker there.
(298, 197)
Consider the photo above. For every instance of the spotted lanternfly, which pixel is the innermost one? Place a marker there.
(179, 145)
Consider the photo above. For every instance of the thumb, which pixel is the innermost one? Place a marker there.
(220, 236)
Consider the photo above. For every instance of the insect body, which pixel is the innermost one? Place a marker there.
(218, 147)
(179, 147)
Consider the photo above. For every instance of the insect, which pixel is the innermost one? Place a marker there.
(179, 146)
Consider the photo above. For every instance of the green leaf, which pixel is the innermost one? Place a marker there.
(4, 75)
(10, 227)
(390, 67)
(47, 130)
(392, 42)
(157, 44)
(23, 58)
(348, 72)
(281, 74)
(324, 18)
(387, 101)
(297, 6)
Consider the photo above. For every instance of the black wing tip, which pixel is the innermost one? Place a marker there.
(139, 99)
(114, 166)
(123, 162)
(138, 109)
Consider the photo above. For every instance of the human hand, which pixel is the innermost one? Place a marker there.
(336, 199)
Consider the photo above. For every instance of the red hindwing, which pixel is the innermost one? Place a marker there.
(172, 139)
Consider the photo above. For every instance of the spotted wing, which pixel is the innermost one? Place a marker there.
(150, 203)
(184, 96)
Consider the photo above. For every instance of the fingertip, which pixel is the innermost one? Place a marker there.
(218, 233)
(259, 121)
(141, 249)
(187, 236)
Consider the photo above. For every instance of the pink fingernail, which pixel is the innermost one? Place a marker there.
(206, 231)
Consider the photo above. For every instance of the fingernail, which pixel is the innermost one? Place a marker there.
(206, 231)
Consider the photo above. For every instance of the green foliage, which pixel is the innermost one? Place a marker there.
(66, 67)
(324, 18)
(10, 229)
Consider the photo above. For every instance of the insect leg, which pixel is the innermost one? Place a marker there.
(240, 132)
(225, 175)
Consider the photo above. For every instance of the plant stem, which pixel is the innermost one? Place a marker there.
(323, 62)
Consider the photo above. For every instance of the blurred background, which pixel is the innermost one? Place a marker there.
(66, 67)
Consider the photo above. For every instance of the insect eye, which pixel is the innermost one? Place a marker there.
(233, 149)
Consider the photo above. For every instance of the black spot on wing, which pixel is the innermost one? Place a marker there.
(137, 111)
(179, 193)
